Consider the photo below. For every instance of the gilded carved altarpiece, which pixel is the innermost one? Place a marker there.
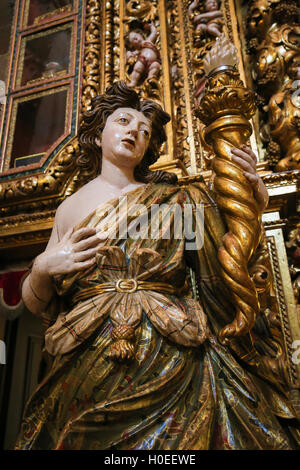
(268, 49)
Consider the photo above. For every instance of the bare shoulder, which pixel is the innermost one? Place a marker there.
(73, 209)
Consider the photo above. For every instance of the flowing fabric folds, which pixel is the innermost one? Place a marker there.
(182, 390)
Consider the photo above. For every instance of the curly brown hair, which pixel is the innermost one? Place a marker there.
(119, 95)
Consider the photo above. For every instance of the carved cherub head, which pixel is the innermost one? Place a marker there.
(134, 39)
(293, 70)
(259, 18)
(211, 5)
(294, 237)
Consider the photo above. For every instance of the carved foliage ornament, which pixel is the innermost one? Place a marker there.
(274, 40)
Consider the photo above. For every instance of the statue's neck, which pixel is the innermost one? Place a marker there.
(116, 176)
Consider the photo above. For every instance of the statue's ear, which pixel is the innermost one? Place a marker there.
(98, 142)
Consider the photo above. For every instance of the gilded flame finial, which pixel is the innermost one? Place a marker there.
(222, 54)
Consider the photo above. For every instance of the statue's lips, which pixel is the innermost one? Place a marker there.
(130, 142)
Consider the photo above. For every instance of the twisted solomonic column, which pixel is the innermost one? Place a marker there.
(226, 108)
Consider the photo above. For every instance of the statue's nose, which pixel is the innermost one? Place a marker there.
(133, 131)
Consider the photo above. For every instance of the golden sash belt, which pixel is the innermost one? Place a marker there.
(123, 286)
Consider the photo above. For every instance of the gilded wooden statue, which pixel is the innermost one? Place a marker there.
(143, 55)
(140, 359)
(154, 288)
(210, 21)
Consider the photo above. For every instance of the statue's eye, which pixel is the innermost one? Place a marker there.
(146, 132)
(123, 120)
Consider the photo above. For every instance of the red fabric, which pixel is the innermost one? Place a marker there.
(10, 283)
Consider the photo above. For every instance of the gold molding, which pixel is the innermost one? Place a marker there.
(166, 76)
(188, 82)
(285, 298)
(107, 42)
(51, 14)
(282, 184)
(92, 54)
(16, 195)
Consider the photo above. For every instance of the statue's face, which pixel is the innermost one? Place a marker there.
(125, 137)
(135, 39)
(211, 5)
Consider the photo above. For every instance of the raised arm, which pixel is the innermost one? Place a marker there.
(192, 6)
(153, 33)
